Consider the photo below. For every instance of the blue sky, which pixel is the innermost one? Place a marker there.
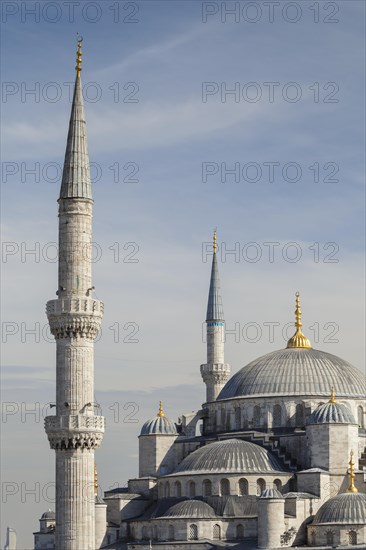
(169, 213)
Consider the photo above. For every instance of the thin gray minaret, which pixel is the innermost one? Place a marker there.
(75, 317)
(215, 372)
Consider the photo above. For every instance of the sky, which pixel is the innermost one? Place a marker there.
(250, 122)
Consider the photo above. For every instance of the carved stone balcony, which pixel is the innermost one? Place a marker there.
(75, 317)
(74, 431)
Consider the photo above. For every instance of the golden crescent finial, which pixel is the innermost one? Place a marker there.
(161, 412)
(332, 396)
(79, 56)
(351, 487)
(214, 242)
(298, 340)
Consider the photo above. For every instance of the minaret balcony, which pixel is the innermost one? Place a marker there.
(74, 431)
(75, 317)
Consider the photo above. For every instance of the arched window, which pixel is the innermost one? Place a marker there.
(167, 490)
(171, 532)
(240, 531)
(178, 489)
(257, 416)
(192, 489)
(352, 537)
(216, 531)
(277, 416)
(193, 532)
(145, 533)
(330, 538)
(261, 485)
(224, 487)
(277, 484)
(299, 417)
(207, 488)
(360, 417)
(243, 487)
(237, 418)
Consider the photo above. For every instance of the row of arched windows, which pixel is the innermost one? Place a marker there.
(216, 531)
(224, 487)
(279, 417)
(330, 539)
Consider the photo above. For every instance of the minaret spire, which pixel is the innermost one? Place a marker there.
(76, 173)
(215, 372)
(75, 317)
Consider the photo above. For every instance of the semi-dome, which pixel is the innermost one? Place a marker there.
(195, 509)
(160, 424)
(346, 508)
(333, 413)
(230, 456)
(296, 371)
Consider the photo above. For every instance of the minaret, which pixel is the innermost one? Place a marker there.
(215, 372)
(75, 318)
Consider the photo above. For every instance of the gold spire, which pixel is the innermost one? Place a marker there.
(161, 413)
(79, 56)
(351, 487)
(95, 480)
(214, 242)
(332, 396)
(298, 340)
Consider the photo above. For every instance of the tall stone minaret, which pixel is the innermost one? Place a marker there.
(74, 318)
(215, 372)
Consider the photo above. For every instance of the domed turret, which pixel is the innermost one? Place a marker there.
(155, 445)
(332, 412)
(160, 424)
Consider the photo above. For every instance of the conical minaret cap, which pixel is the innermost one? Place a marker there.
(298, 340)
(76, 181)
(215, 311)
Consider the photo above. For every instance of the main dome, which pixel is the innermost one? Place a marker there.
(231, 455)
(296, 371)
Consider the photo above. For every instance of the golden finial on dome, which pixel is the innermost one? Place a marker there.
(332, 396)
(298, 340)
(214, 242)
(95, 480)
(351, 487)
(79, 56)
(161, 413)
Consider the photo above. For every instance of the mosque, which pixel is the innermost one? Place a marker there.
(275, 457)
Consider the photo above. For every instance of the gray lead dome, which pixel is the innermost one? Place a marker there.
(195, 509)
(294, 371)
(158, 425)
(348, 508)
(334, 413)
(231, 455)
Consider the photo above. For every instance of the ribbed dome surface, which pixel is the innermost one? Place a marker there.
(294, 371)
(231, 455)
(271, 493)
(349, 508)
(335, 413)
(49, 515)
(158, 425)
(190, 509)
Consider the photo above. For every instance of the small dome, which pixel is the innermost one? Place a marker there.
(334, 413)
(48, 515)
(271, 493)
(161, 424)
(346, 508)
(195, 509)
(231, 455)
